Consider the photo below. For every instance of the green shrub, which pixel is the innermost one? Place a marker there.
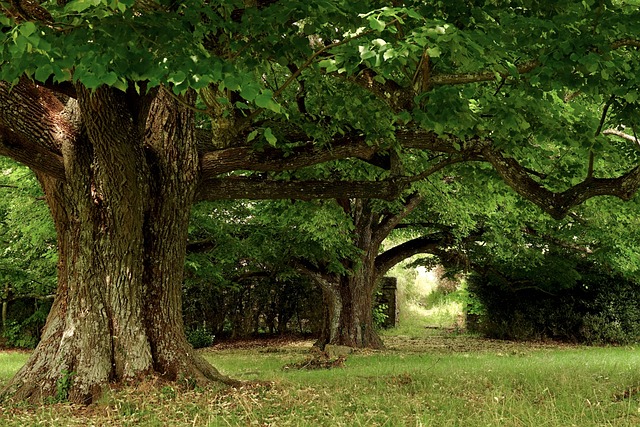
(24, 332)
(380, 315)
(16, 336)
(200, 337)
(598, 307)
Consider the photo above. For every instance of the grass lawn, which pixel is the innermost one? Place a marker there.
(437, 380)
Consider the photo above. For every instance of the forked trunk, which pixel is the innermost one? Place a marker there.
(348, 314)
(121, 217)
(349, 298)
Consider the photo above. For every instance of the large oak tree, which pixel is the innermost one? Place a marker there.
(104, 101)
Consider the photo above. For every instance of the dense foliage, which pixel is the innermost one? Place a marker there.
(563, 297)
(27, 256)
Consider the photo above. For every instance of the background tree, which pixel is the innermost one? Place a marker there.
(27, 265)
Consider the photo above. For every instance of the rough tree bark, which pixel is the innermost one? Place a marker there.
(121, 212)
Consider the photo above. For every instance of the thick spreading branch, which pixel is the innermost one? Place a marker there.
(216, 162)
(272, 159)
(433, 244)
(257, 189)
(34, 114)
(37, 157)
(33, 126)
(558, 204)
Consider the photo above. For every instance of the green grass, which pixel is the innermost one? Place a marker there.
(10, 362)
(427, 381)
(425, 377)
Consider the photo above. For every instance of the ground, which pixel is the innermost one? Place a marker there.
(437, 379)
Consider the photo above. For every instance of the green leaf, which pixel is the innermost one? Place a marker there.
(389, 54)
(378, 78)
(233, 82)
(252, 135)
(270, 137)
(27, 29)
(110, 78)
(123, 85)
(434, 52)
(250, 92)
(43, 73)
(376, 24)
(80, 5)
(177, 77)
(329, 64)
(265, 100)
(21, 44)
(513, 70)
(413, 14)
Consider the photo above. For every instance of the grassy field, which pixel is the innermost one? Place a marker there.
(430, 380)
(425, 377)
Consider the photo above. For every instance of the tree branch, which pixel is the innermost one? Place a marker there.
(625, 42)
(273, 159)
(466, 78)
(389, 222)
(33, 113)
(325, 281)
(36, 157)
(432, 243)
(201, 246)
(621, 135)
(264, 189)
(558, 242)
(558, 204)
(33, 126)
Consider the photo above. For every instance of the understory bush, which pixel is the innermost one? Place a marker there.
(259, 304)
(200, 337)
(25, 322)
(569, 300)
(380, 315)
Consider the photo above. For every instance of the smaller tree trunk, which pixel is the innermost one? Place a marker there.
(5, 304)
(348, 313)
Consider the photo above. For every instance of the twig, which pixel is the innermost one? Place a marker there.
(603, 117)
(183, 103)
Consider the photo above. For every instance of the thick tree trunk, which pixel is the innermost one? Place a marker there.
(121, 217)
(349, 298)
(348, 314)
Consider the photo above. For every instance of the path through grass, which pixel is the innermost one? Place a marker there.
(429, 381)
